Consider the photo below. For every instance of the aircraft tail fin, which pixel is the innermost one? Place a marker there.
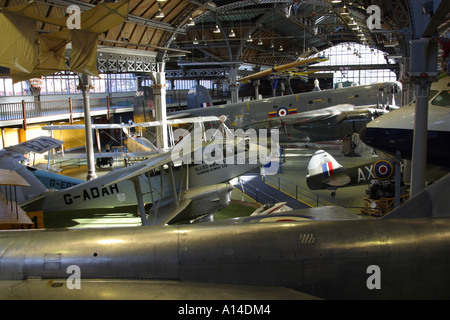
(322, 163)
(198, 97)
(432, 202)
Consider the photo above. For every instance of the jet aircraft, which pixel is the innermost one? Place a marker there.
(338, 257)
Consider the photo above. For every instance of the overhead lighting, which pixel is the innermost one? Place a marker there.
(352, 22)
(160, 14)
(216, 30)
(195, 41)
(191, 22)
(260, 43)
(280, 48)
(336, 1)
(249, 39)
(161, 0)
(345, 11)
(232, 34)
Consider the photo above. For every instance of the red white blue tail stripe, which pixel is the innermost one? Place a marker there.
(327, 169)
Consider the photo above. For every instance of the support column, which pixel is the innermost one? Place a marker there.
(159, 90)
(419, 150)
(233, 84)
(256, 85)
(85, 82)
(423, 71)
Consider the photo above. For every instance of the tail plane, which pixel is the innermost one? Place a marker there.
(324, 172)
(322, 163)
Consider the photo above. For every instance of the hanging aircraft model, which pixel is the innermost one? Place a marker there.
(332, 115)
(324, 252)
(162, 195)
(394, 131)
(286, 70)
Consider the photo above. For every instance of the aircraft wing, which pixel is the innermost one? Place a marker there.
(307, 117)
(154, 162)
(337, 180)
(103, 155)
(275, 69)
(39, 145)
(132, 125)
(334, 114)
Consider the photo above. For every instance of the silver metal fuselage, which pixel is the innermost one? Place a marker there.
(328, 259)
(244, 114)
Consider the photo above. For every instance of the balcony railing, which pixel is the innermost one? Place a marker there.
(21, 112)
(24, 111)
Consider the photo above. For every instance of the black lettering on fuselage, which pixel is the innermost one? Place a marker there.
(92, 193)
(86, 195)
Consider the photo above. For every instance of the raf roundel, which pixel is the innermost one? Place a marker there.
(282, 112)
(383, 170)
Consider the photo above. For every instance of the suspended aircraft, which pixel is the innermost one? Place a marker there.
(323, 252)
(394, 131)
(289, 69)
(339, 112)
(162, 195)
(325, 124)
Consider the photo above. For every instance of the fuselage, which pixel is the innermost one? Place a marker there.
(395, 130)
(244, 114)
(97, 194)
(327, 259)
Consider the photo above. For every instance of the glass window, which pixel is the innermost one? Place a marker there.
(2, 87)
(355, 54)
(9, 90)
(443, 99)
(57, 84)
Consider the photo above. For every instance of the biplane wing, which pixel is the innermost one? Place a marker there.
(132, 125)
(39, 145)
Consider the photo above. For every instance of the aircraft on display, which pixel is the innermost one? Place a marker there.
(323, 252)
(10, 211)
(394, 131)
(286, 70)
(343, 110)
(168, 195)
(325, 124)
(137, 146)
(324, 172)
